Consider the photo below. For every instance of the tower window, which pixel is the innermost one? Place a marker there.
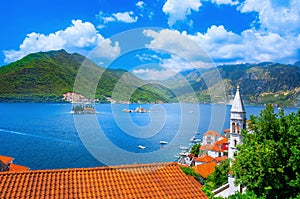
(233, 127)
(235, 142)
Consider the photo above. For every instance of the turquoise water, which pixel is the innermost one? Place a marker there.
(47, 136)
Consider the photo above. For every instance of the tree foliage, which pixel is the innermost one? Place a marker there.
(267, 162)
(219, 177)
(196, 149)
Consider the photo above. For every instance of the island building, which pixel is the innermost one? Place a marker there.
(237, 123)
(158, 180)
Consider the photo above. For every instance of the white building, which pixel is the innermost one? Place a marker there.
(237, 123)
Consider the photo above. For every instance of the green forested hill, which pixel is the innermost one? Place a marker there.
(45, 76)
(262, 83)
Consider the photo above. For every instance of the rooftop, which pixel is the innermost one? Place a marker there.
(238, 105)
(6, 159)
(204, 158)
(16, 167)
(160, 180)
(205, 169)
(212, 132)
(208, 147)
(222, 141)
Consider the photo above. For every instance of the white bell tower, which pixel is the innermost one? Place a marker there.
(237, 123)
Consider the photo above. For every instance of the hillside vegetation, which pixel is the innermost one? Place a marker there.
(263, 83)
(45, 76)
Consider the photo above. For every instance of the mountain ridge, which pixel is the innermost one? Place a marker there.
(45, 76)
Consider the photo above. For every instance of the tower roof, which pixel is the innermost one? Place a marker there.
(238, 105)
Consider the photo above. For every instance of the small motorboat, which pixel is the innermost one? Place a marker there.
(163, 142)
(141, 147)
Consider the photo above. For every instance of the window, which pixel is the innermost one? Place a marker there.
(233, 127)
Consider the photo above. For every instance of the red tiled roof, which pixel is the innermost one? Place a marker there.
(5, 159)
(204, 158)
(211, 148)
(227, 130)
(212, 132)
(219, 159)
(15, 167)
(222, 141)
(161, 180)
(216, 148)
(205, 169)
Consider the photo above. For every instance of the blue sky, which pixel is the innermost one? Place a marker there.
(173, 35)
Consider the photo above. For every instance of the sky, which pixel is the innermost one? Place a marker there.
(154, 38)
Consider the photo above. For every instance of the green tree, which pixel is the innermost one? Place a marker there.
(196, 149)
(217, 178)
(267, 163)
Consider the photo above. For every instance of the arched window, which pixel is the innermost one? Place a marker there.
(235, 142)
(233, 127)
(238, 128)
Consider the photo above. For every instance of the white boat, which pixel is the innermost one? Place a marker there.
(163, 142)
(183, 148)
(142, 147)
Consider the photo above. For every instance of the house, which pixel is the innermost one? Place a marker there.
(202, 160)
(205, 170)
(6, 164)
(223, 144)
(210, 137)
(159, 180)
(212, 150)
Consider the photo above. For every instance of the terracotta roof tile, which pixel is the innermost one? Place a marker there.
(211, 148)
(216, 148)
(227, 130)
(204, 158)
(15, 167)
(205, 169)
(222, 141)
(161, 180)
(212, 132)
(6, 159)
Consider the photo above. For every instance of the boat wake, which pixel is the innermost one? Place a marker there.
(36, 136)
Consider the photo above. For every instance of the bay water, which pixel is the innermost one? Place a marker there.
(48, 136)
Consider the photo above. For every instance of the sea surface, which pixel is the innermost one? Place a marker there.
(48, 136)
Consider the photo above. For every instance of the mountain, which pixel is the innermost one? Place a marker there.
(261, 83)
(45, 76)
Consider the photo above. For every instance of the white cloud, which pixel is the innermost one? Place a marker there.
(153, 74)
(140, 4)
(127, 17)
(177, 10)
(250, 46)
(276, 16)
(228, 2)
(174, 42)
(223, 47)
(80, 35)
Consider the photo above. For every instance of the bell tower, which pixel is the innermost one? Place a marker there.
(237, 123)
